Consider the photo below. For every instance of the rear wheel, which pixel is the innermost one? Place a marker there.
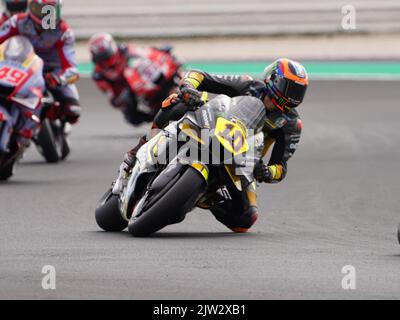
(175, 201)
(65, 148)
(108, 215)
(47, 143)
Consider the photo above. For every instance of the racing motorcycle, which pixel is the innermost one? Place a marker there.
(52, 139)
(165, 183)
(21, 87)
(148, 81)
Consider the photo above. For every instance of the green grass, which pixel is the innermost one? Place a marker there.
(316, 70)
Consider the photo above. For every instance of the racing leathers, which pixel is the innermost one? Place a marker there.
(282, 130)
(142, 77)
(4, 17)
(56, 48)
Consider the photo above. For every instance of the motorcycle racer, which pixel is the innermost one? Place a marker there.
(22, 85)
(12, 7)
(55, 47)
(154, 71)
(282, 90)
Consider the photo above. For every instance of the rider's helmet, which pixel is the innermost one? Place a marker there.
(286, 83)
(37, 10)
(104, 50)
(14, 6)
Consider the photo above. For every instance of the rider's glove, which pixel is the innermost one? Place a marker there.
(192, 97)
(262, 172)
(52, 80)
(257, 90)
(169, 102)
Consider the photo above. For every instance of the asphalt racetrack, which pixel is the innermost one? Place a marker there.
(338, 206)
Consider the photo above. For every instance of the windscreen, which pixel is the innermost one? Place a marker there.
(17, 49)
(249, 111)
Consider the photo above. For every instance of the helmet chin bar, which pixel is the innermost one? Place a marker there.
(278, 101)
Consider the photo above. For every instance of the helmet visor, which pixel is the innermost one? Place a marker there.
(15, 7)
(294, 92)
(105, 59)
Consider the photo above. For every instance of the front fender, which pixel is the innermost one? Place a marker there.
(136, 183)
(202, 169)
(173, 170)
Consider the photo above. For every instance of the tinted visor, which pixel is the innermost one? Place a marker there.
(16, 7)
(292, 91)
(105, 59)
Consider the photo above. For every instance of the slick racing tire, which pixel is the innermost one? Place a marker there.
(108, 215)
(181, 196)
(65, 148)
(47, 144)
(7, 171)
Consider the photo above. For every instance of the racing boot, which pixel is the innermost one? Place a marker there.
(237, 223)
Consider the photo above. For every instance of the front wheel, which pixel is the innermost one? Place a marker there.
(175, 201)
(108, 214)
(7, 171)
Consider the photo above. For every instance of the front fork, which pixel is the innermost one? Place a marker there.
(7, 123)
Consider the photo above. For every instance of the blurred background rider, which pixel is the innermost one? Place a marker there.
(135, 79)
(12, 7)
(57, 49)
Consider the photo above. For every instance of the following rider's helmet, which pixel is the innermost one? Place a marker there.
(37, 10)
(14, 6)
(286, 83)
(104, 50)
